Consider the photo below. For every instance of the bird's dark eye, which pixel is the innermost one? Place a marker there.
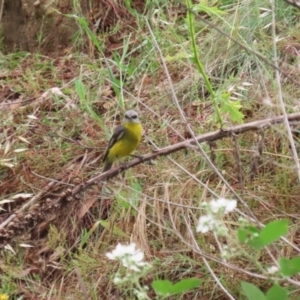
(134, 117)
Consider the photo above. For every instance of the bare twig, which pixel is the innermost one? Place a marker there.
(189, 128)
(295, 3)
(280, 96)
(1, 9)
(190, 143)
(249, 50)
(32, 201)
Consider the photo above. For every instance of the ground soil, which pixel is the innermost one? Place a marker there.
(29, 25)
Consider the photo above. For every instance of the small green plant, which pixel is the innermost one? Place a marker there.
(40, 34)
(85, 104)
(256, 239)
(167, 288)
(252, 292)
(213, 220)
(134, 268)
(221, 102)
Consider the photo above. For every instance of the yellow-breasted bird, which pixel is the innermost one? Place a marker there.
(125, 139)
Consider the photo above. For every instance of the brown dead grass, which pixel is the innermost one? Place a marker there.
(64, 147)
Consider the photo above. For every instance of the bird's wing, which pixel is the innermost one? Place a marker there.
(117, 135)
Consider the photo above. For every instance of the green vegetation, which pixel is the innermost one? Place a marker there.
(188, 68)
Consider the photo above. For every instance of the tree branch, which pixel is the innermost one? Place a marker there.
(70, 193)
(207, 137)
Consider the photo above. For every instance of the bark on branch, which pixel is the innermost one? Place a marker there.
(70, 193)
(207, 137)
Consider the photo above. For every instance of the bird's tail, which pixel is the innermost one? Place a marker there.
(107, 166)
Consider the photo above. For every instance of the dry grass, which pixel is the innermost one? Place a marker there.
(154, 205)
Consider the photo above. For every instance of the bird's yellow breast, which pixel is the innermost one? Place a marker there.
(127, 143)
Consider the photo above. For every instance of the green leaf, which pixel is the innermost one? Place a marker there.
(116, 230)
(136, 194)
(273, 231)
(85, 235)
(122, 200)
(269, 234)
(185, 285)
(179, 56)
(213, 10)
(289, 267)
(277, 292)
(252, 292)
(247, 233)
(84, 24)
(166, 288)
(79, 87)
(162, 287)
(232, 108)
(250, 236)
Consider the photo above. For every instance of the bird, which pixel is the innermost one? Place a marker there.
(125, 139)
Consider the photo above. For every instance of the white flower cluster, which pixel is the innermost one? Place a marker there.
(215, 209)
(132, 259)
(272, 269)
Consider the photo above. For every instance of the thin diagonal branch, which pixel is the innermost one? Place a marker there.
(190, 143)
